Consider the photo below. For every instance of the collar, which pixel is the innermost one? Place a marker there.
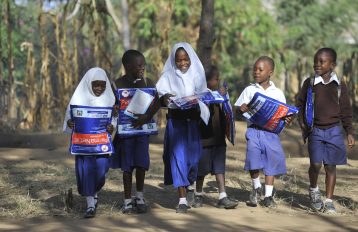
(257, 85)
(319, 79)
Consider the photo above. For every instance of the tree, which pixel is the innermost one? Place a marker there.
(206, 33)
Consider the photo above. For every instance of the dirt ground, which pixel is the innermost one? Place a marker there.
(36, 172)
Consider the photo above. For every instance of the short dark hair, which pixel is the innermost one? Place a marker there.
(269, 60)
(330, 51)
(129, 55)
(211, 72)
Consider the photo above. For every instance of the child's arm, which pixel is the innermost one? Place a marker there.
(351, 141)
(301, 104)
(144, 118)
(110, 128)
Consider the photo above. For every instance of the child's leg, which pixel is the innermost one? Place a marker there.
(269, 185)
(255, 177)
(199, 184)
(330, 179)
(220, 180)
(313, 173)
(140, 175)
(127, 184)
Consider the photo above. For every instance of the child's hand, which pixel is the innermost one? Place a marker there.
(70, 123)
(244, 108)
(141, 119)
(350, 140)
(115, 110)
(166, 98)
(288, 119)
(222, 90)
(110, 128)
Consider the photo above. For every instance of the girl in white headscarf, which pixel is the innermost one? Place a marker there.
(93, 90)
(183, 75)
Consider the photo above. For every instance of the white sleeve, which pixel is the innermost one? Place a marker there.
(244, 98)
(281, 96)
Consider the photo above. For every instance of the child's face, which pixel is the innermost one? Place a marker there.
(262, 71)
(136, 67)
(213, 82)
(323, 63)
(98, 87)
(182, 60)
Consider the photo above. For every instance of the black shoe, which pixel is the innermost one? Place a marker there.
(182, 208)
(226, 203)
(198, 201)
(255, 196)
(190, 196)
(140, 207)
(127, 209)
(90, 212)
(269, 202)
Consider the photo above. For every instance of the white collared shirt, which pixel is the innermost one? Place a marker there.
(319, 79)
(249, 92)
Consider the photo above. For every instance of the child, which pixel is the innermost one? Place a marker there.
(133, 152)
(214, 147)
(93, 90)
(183, 75)
(325, 139)
(264, 150)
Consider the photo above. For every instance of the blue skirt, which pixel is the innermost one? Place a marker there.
(130, 153)
(91, 173)
(182, 152)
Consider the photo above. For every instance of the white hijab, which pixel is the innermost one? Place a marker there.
(193, 81)
(175, 82)
(84, 95)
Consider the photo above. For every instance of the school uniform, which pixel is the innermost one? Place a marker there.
(331, 113)
(90, 169)
(131, 152)
(264, 150)
(213, 142)
(182, 146)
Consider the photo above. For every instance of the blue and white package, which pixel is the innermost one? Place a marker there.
(268, 113)
(125, 120)
(229, 119)
(89, 135)
(209, 97)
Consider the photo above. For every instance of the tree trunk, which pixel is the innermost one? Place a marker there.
(30, 88)
(206, 34)
(46, 86)
(126, 31)
(12, 94)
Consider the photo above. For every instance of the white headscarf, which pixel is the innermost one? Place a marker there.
(84, 95)
(173, 81)
(193, 81)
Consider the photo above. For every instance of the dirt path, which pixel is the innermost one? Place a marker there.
(36, 171)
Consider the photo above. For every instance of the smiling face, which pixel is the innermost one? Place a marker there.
(98, 87)
(262, 71)
(182, 60)
(323, 63)
(136, 67)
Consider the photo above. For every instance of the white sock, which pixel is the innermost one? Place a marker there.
(222, 195)
(90, 201)
(256, 182)
(190, 187)
(95, 198)
(199, 193)
(268, 190)
(314, 189)
(140, 197)
(127, 202)
(183, 200)
(328, 200)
